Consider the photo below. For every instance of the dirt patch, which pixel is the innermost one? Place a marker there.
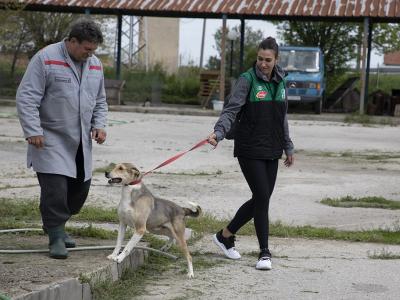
(23, 273)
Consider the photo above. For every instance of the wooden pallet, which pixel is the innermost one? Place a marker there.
(209, 85)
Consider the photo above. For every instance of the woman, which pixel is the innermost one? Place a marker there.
(261, 135)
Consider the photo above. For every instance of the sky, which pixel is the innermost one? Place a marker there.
(191, 32)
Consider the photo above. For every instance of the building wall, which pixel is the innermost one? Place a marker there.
(392, 58)
(162, 42)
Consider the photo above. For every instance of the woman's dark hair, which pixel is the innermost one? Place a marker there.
(269, 44)
(86, 30)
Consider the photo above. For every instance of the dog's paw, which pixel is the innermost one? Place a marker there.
(190, 275)
(112, 257)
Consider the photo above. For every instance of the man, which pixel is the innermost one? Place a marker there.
(62, 106)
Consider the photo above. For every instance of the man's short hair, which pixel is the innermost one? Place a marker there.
(86, 30)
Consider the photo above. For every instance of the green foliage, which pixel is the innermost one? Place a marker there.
(386, 37)
(181, 88)
(251, 41)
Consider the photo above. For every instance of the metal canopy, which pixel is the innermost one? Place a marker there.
(365, 11)
(348, 10)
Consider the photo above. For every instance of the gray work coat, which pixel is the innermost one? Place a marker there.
(54, 102)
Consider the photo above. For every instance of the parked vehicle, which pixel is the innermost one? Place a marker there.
(306, 75)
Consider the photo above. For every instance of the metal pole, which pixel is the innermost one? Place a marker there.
(241, 45)
(231, 62)
(363, 65)
(368, 63)
(222, 69)
(118, 62)
(202, 43)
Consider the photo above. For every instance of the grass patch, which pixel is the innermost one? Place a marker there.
(132, 282)
(92, 232)
(97, 214)
(383, 254)
(367, 202)
(379, 156)
(26, 210)
(367, 120)
(19, 209)
(20, 212)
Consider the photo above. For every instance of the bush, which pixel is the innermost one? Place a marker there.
(180, 88)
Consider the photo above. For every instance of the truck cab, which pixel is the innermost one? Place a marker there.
(305, 82)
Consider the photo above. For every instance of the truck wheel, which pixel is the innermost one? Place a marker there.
(318, 107)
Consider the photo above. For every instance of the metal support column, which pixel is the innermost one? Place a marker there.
(242, 33)
(222, 69)
(118, 60)
(368, 63)
(363, 66)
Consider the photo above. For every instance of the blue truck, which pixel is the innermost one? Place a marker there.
(306, 75)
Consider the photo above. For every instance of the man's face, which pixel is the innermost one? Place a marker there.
(266, 61)
(81, 51)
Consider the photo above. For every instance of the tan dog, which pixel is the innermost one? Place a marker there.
(140, 210)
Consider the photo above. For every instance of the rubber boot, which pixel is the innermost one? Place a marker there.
(69, 242)
(57, 247)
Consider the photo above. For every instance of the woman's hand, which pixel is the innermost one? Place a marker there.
(289, 160)
(212, 139)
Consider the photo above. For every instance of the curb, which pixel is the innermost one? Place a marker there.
(80, 288)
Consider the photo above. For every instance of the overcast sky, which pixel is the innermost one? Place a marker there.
(191, 31)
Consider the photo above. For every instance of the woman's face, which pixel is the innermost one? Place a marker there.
(266, 61)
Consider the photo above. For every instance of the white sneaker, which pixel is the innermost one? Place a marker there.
(227, 245)
(264, 263)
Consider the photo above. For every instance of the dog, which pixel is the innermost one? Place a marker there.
(140, 210)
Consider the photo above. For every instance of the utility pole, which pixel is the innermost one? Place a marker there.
(222, 69)
(202, 44)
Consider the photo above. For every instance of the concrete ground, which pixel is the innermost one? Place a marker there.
(332, 159)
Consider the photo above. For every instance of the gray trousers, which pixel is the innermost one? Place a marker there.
(62, 196)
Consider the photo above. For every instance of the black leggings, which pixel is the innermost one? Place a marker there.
(260, 176)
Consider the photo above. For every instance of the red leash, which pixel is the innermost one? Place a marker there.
(170, 160)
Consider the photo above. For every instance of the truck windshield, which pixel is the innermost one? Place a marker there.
(299, 60)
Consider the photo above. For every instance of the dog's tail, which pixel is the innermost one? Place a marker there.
(195, 211)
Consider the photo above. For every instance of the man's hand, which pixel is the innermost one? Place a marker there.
(212, 139)
(99, 135)
(37, 141)
(289, 160)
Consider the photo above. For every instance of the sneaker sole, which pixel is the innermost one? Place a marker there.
(222, 247)
(266, 268)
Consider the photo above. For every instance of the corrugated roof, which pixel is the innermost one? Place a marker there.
(379, 9)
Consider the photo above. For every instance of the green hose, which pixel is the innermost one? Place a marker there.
(4, 297)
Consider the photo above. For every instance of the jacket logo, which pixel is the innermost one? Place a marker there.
(62, 79)
(261, 94)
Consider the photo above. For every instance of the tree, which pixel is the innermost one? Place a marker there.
(386, 37)
(46, 28)
(251, 40)
(336, 40)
